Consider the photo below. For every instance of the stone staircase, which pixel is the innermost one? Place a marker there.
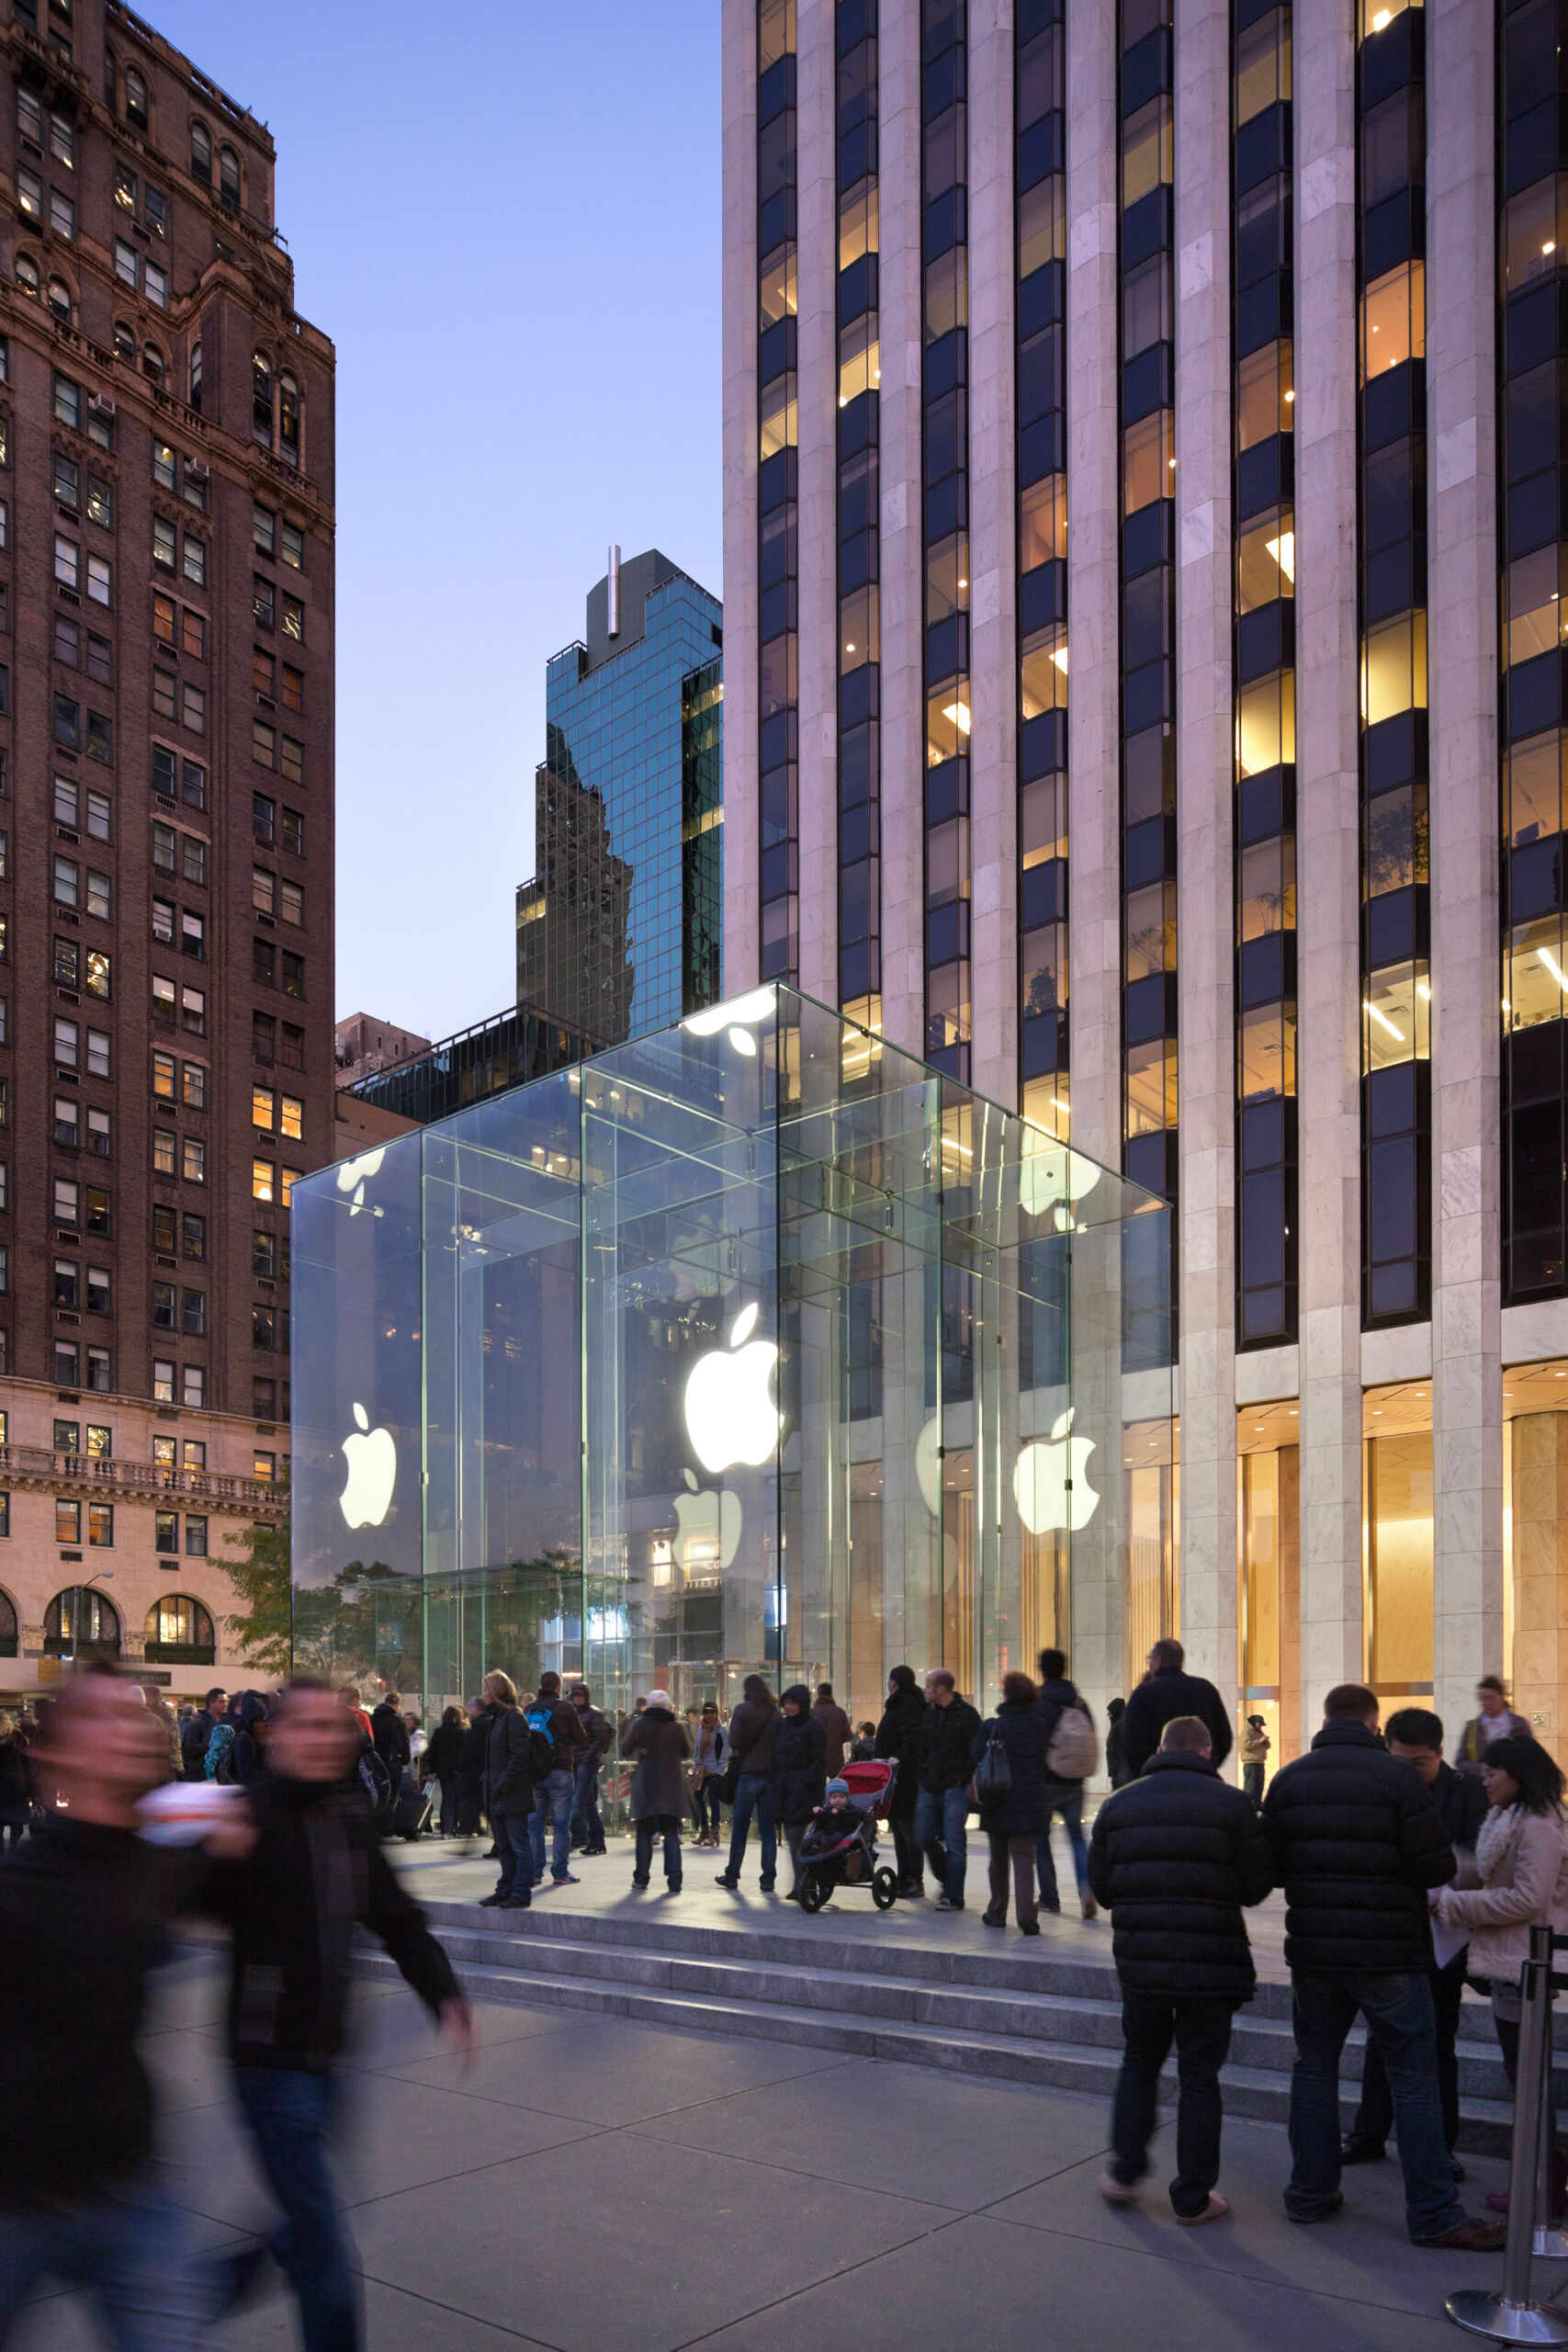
(1008, 2016)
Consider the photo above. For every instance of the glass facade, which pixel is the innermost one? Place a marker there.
(754, 1345)
(778, 493)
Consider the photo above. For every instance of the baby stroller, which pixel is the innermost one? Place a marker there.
(839, 1849)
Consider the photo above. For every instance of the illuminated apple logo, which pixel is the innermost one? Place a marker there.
(737, 1017)
(708, 1526)
(353, 1177)
(730, 1413)
(1050, 1484)
(370, 1457)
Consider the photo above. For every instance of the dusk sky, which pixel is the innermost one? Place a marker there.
(507, 219)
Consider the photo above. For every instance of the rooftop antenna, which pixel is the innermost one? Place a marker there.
(614, 629)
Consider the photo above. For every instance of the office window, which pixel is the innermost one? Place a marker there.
(291, 1046)
(100, 658)
(193, 634)
(164, 538)
(67, 1282)
(193, 858)
(293, 688)
(294, 619)
(193, 934)
(193, 1011)
(65, 1043)
(100, 1441)
(264, 529)
(293, 830)
(264, 1467)
(163, 1077)
(99, 1050)
(263, 1399)
(262, 1105)
(264, 1255)
(264, 1038)
(292, 902)
(67, 1437)
(194, 559)
(100, 1134)
(263, 962)
(100, 502)
(163, 1229)
(67, 882)
(67, 562)
(193, 1386)
(95, 978)
(100, 580)
(100, 1217)
(156, 213)
(263, 816)
(192, 708)
(100, 1521)
(164, 920)
(68, 402)
(67, 722)
(68, 640)
(99, 894)
(192, 1158)
(263, 1326)
(62, 220)
(67, 963)
(67, 1121)
(125, 260)
(67, 477)
(291, 762)
(264, 743)
(66, 801)
(264, 673)
(287, 1177)
(163, 840)
(294, 546)
(166, 1531)
(162, 1380)
(264, 886)
(293, 974)
(155, 286)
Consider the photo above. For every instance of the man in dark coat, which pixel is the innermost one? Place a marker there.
(472, 1769)
(509, 1794)
(1416, 1734)
(587, 1829)
(391, 1734)
(1178, 1855)
(1358, 1843)
(660, 1744)
(897, 1739)
(198, 1731)
(799, 1775)
(1165, 1692)
(753, 1727)
(837, 1728)
(943, 1772)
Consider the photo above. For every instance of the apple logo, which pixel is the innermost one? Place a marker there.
(371, 1458)
(1053, 1179)
(730, 1413)
(731, 1016)
(1050, 1483)
(708, 1527)
(353, 1177)
(928, 1464)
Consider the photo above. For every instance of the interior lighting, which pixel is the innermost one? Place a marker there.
(1553, 966)
(1397, 1034)
(1283, 550)
(959, 714)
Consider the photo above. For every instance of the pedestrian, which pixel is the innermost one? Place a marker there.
(799, 1776)
(200, 1730)
(942, 1773)
(16, 1788)
(1255, 1746)
(659, 1743)
(753, 1727)
(509, 1793)
(1116, 1743)
(1178, 1856)
(1012, 1819)
(1165, 1692)
(418, 1742)
(1494, 1719)
(390, 1734)
(1072, 1753)
(897, 1735)
(1522, 1854)
(1358, 1843)
(587, 1829)
(837, 1728)
(863, 1748)
(1416, 1734)
(442, 1758)
(315, 1874)
(471, 1767)
(561, 1726)
(713, 1745)
(247, 1762)
(349, 1694)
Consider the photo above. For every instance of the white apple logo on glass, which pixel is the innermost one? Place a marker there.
(733, 1016)
(1049, 1481)
(370, 1457)
(355, 1174)
(730, 1413)
(708, 1527)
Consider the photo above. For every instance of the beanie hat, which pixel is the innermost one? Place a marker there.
(659, 1699)
(843, 1787)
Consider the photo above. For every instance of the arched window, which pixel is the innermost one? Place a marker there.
(26, 274)
(261, 398)
(60, 298)
(135, 98)
(196, 375)
(124, 343)
(201, 154)
(289, 417)
(152, 364)
(81, 1622)
(179, 1632)
(229, 178)
(8, 1628)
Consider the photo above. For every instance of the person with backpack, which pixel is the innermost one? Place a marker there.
(200, 1730)
(1008, 1756)
(1072, 1753)
(942, 1771)
(512, 1766)
(556, 1722)
(217, 1756)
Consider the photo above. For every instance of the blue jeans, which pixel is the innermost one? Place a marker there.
(290, 2117)
(1065, 1797)
(753, 1796)
(1401, 2020)
(587, 1829)
(552, 1795)
(127, 2251)
(941, 1833)
(1200, 2028)
(513, 1852)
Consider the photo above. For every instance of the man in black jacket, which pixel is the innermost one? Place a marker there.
(1165, 1692)
(509, 1794)
(1358, 1843)
(1177, 1854)
(316, 1872)
(942, 1773)
(897, 1738)
(198, 1731)
(560, 1725)
(1416, 1734)
(391, 1734)
(587, 1829)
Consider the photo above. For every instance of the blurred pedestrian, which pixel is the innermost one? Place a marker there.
(1494, 1719)
(1012, 1817)
(897, 1739)
(442, 1758)
(587, 1829)
(798, 1775)
(1116, 1742)
(837, 1728)
(659, 1744)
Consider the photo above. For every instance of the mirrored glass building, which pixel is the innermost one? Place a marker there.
(753, 1345)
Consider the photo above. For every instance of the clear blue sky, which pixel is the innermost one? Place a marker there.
(507, 219)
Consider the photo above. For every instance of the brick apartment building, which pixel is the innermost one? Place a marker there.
(167, 1063)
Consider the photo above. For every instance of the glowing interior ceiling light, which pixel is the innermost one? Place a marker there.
(1283, 550)
(1383, 1019)
(959, 714)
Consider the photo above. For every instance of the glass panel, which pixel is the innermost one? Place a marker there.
(1397, 1423)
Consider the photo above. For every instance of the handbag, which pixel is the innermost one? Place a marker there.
(992, 1774)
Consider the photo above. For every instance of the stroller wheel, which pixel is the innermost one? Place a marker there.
(812, 1893)
(885, 1889)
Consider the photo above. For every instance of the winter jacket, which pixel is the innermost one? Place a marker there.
(1524, 1867)
(712, 1751)
(508, 1779)
(1021, 1811)
(598, 1730)
(471, 1763)
(898, 1734)
(660, 1744)
(1049, 1701)
(443, 1755)
(1176, 1856)
(1116, 1747)
(1470, 1753)
(193, 1746)
(837, 1730)
(798, 1777)
(1158, 1700)
(1356, 1843)
(315, 1873)
(248, 1761)
(942, 1758)
(752, 1729)
(1255, 1745)
(391, 1734)
(568, 1740)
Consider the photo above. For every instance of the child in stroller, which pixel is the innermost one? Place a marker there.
(838, 1847)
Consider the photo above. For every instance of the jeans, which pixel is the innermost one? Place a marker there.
(552, 1795)
(1398, 2010)
(709, 1809)
(290, 2117)
(658, 1825)
(127, 2251)
(587, 1829)
(753, 1796)
(1374, 2117)
(514, 1854)
(1065, 1798)
(1201, 2030)
(942, 1818)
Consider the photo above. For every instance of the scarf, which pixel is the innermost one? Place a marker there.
(1492, 1843)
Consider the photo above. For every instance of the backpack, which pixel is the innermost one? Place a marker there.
(542, 1758)
(375, 1778)
(1074, 1752)
(992, 1774)
(219, 1762)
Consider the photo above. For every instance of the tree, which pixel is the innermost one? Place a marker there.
(261, 1575)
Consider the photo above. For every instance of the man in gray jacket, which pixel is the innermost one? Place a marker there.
(509, 1793)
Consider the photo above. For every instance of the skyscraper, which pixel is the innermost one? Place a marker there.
(166, 840)
(618, 931)
(1144, 431)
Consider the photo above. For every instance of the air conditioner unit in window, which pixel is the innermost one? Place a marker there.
(101, 403)
(196, 468)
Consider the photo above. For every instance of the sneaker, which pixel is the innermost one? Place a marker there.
(1216, 2207)
(913, 1894)
(946, 1902)
(673, 1886)
(516, 1903)
(1471, 2235)
(1091, 1911)
(639, 1883)
(566, 1878)
(1357, 2148)
(1118, 2192)
(767, 1885)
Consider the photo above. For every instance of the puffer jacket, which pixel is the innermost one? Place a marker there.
(1525, 1885)
(752, 1728)
(1356, 1843)
(660, 1743)
(1176, 1856)
(899, 1736)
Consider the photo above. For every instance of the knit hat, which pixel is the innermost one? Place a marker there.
(659, 1699)
(839, 1787)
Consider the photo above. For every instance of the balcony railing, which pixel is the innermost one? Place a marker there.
(101, 1474)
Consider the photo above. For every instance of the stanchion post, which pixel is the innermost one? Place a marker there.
(1511, 2317)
